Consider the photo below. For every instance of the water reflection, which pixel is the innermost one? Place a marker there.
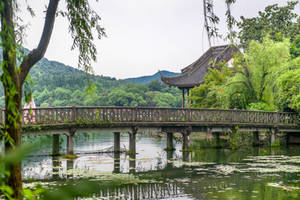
(144, 191)
(55, 167)
(117, 157)
(250, 173)
(132, 162)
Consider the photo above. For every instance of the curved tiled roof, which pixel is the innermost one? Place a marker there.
(193, 75)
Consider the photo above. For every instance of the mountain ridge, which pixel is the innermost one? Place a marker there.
(147, 79)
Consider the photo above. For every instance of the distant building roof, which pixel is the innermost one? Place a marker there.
(193, 75)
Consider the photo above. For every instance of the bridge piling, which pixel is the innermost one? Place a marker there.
(132, 141)
(273, 141)
(70, 142)
(218, 140)
(55, 145)
(116, 152)
(132, 149)
(170, 146)
(256, 138)
(116, 142)
(186, 139)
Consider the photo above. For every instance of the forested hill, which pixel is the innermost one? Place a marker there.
(55, 84)
(148, 79)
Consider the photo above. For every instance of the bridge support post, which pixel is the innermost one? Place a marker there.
(255, 138)
(116, 152)
(218, 141)
(186, 139)
(132, 149)
(273, 140)
(132, 141)
(209, 134)
(55, 145)
(70, 142)
(170, 146)
(116, 142)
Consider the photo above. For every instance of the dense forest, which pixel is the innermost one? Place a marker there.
(266, 76)
(55, 84)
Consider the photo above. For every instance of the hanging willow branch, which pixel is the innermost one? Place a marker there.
(230, 20)
(211, 20)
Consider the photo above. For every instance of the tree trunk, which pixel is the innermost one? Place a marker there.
(13, 128)
(13, 94)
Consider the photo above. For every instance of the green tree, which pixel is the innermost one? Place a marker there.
(276, 21)
(288, 88)
(155, 85)
(82, 21)
(208, 94)
(164, 99)
(295, 47)
(253, 84)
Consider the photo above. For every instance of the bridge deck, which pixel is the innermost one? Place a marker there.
(41, 119)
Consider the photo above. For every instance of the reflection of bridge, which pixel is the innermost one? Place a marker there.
(66, 120)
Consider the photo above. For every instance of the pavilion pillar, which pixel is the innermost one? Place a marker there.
(70, 142)
(188, 94)
(55, 145)
(183, 99)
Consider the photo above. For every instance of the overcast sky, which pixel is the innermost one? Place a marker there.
(143, 36)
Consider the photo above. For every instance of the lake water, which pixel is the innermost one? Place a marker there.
(247, 173)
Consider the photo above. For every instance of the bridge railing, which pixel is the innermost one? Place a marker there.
(58, 115)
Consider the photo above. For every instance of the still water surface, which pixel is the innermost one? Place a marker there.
(247, 173)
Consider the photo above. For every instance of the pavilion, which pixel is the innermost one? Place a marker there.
(193, 75)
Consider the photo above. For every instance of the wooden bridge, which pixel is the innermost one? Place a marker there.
(68, 120)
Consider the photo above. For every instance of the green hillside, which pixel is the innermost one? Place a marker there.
(148, 79)
(55, 84)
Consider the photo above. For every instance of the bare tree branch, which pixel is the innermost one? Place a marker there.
(36, 54)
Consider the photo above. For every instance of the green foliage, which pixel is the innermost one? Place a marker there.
(295, 47)
(253, 85)
(288, 89)
(278, 22)
(60, 85)
(264, 78)
(210, 93)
